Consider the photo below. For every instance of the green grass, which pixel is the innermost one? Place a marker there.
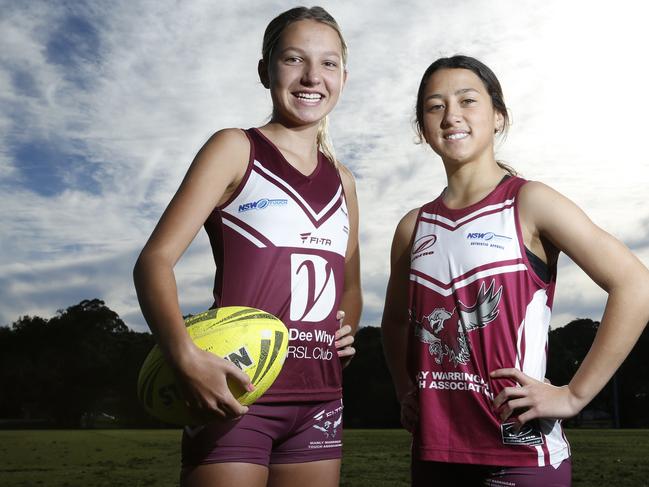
(373, 458)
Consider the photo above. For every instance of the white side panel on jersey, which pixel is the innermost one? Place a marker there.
(540, 455)
(557, 446)
(313, 288)
(270, 210)
(458, 251)
(535, 327)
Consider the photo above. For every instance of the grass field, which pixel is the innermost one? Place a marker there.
(372, 458)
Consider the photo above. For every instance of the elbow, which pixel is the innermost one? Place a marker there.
(146, 264)
(139, 269)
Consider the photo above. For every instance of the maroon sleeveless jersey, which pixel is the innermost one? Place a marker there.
(476, 305)
(279, 245)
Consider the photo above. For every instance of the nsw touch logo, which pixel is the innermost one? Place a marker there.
(488, 239)
(313, 288)
(262, 203)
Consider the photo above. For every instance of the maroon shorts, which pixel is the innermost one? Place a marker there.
(428, 474)
(269, 433)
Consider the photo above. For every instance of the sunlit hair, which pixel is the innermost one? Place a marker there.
(489, 81)
(272, 37)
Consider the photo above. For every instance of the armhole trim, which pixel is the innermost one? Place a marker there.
(246, 175)
(523, 248)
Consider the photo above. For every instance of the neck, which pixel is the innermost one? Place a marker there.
(469, 183)
(300, 140)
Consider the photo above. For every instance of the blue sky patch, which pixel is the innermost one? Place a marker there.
(72, 44)
(48, 170)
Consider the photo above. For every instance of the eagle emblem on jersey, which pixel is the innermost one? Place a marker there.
(446, 331)
(329, 428)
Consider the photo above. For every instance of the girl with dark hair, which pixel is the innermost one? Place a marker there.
(282, 217)
(468, 304)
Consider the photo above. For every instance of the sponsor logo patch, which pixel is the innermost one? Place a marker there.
(488, 239)
(313, 288)
(262, 203)
(309, 239)
(421, 246)
(529, 434)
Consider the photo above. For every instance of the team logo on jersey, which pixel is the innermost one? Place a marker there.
(446, 331)
(327, 424)
(262, 203)
(313, 288)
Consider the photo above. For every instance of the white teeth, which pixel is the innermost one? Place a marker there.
(309, 96)
(457, 136)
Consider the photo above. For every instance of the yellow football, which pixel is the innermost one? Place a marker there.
(252, 339)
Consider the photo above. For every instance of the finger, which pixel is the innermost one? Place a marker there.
(506, 394)
(528, 415)
(512, 373)
(523, 402)
(232, 407)
(344, 342)
(341, 332)
(340, 315)
(516, 405)
(347, 352)
(240, 376)
(207, 410)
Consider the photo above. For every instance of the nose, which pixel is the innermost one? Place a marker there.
(311, 75)
(452, 116)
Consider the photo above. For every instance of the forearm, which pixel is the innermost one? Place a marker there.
(157, 294)
(352, 304)
(395, 346)
(625, 317)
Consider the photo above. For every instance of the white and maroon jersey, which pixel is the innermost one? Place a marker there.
(476, 305)
(279, 245)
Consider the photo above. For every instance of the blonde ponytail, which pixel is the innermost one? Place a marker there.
(324, 141)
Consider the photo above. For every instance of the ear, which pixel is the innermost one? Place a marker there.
(344, 79)
(499, 122)
(262, 70)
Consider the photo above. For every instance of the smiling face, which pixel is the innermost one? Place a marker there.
(306, 73)
(459, 120)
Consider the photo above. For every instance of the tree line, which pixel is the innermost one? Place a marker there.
(80, 368)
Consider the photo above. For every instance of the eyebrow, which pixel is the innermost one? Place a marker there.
(458, 92)
(297, 49)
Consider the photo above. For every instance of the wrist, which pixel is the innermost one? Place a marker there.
(179, 351)
(576, 401)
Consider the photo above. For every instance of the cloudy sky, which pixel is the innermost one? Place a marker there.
(104, 104)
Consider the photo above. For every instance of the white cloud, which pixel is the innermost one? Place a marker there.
(169, 74)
